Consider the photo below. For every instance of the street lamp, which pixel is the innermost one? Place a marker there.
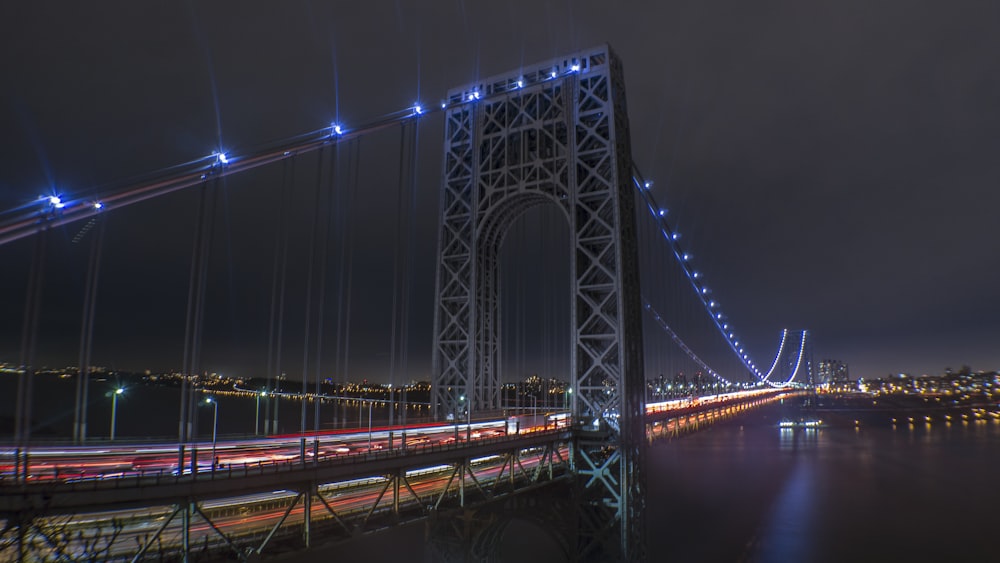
(454, 414)
(566, 398)
(468, 422)
(256, 418)
(114, 409)
(371, 403)
(215, 427)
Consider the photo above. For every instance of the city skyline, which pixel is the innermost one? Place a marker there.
(829, 168)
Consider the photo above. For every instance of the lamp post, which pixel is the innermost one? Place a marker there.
(371, 403)
(468, 422)
(215, 427)
(566, 398)
(114, 409)
(256, 418)
(402, 414)
(454, 414)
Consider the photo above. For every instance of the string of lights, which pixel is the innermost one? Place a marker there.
(672, 238)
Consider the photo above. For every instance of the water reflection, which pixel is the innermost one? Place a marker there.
(860, 488)
(787, 532)
(793, 439)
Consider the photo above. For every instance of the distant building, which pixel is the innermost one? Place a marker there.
(832, 371)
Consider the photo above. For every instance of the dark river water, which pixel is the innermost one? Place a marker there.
(745, 490)
(860, 488)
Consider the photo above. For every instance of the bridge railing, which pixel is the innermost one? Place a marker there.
(163, 476)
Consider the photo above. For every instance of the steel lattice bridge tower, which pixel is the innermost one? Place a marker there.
(555, 133)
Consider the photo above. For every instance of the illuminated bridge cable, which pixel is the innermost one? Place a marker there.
(194, 173)
(671, 237)
(798, 361)
(781, 348)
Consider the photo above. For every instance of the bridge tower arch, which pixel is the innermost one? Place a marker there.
(555, 132)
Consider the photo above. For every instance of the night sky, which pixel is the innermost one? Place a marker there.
(832, 166)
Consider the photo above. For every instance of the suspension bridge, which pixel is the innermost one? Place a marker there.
(552, 136)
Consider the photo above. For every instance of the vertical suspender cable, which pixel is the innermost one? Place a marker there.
(277, 282)
(87, 332)
(354, 181)
(278, 310)
(29, 337)
(408, 260)
(321, 306)
(341, 210)
(184, 429)
(207, 237)
(400, 271)
(313, 233)
(395, 263)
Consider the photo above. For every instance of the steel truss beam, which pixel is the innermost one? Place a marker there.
(557, 134)
(44, 534)
(475, 532)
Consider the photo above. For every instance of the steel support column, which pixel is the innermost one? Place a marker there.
(554, 133)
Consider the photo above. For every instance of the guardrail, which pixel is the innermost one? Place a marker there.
(138, 488)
